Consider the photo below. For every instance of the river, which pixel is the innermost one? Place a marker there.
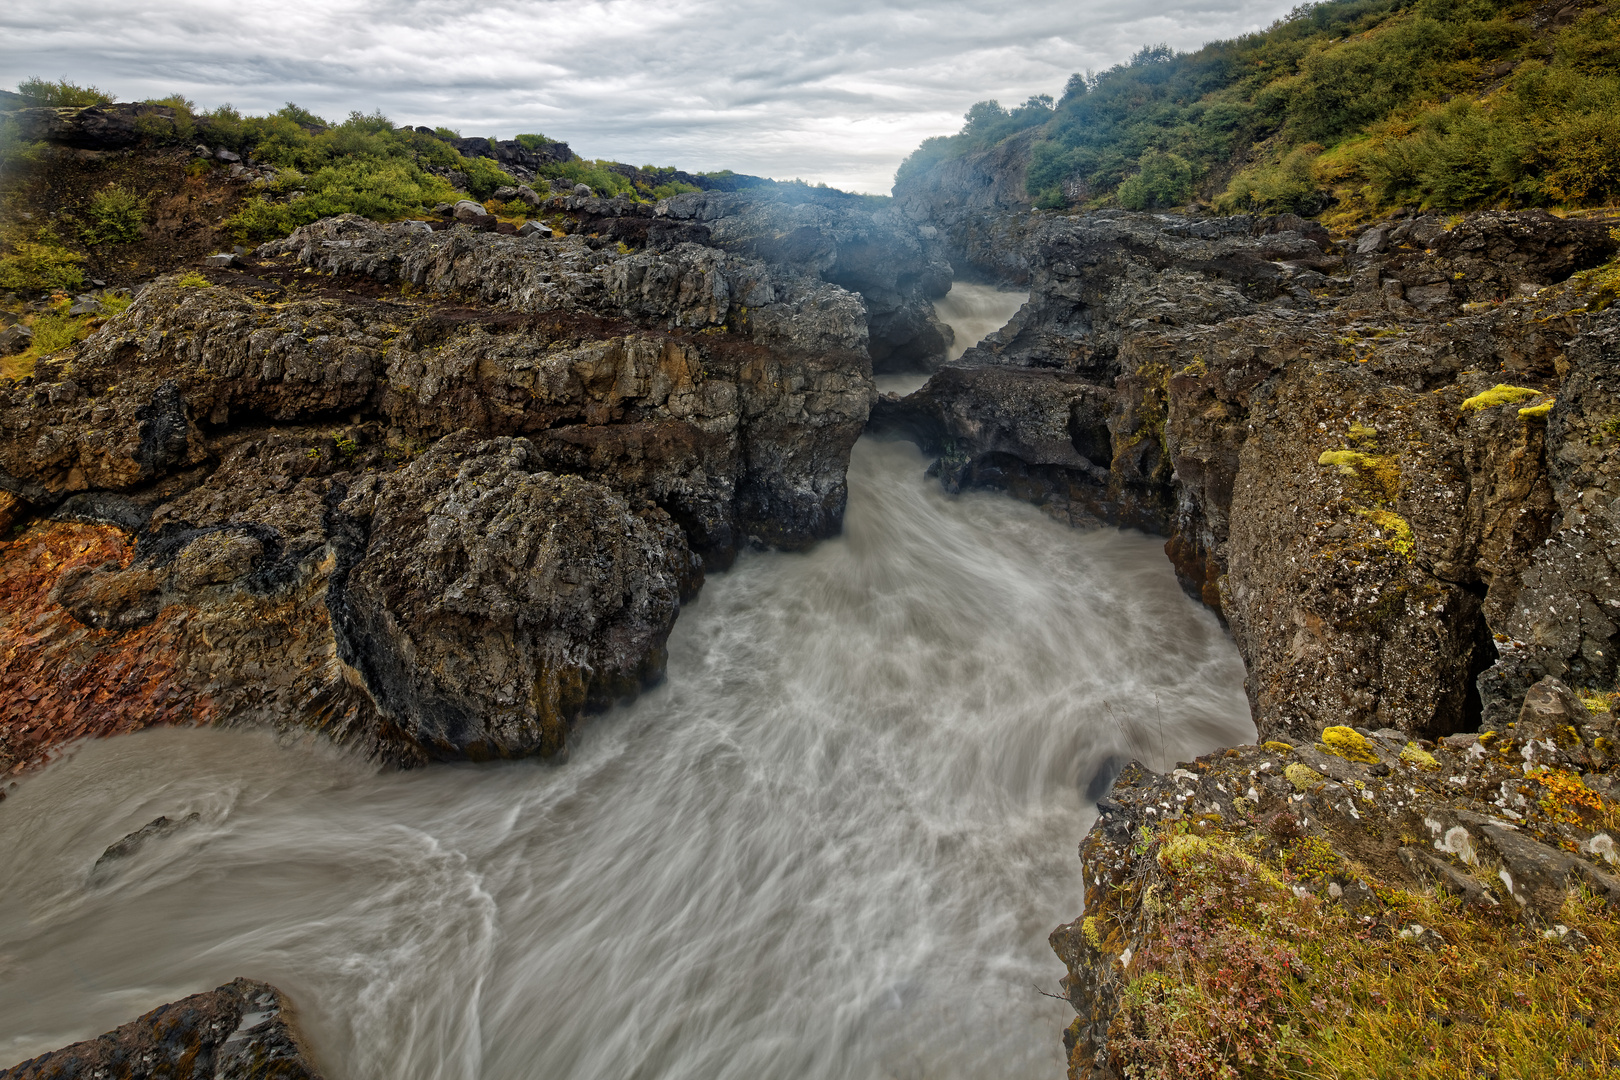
(830, 844)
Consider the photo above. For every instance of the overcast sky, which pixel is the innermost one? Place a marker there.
(827, 90)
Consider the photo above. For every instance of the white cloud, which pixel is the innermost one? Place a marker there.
(838, 91)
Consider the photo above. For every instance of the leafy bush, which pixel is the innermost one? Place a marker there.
(40, 265)
(1287, 186)
(61, 93)
(384, 190)
(1164, 180)
(116, 216)
(483, 176)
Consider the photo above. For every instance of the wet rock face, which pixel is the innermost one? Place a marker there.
(494, 600)
(978, 204)
(1393, 541)
(258, 518)
(242, 1031)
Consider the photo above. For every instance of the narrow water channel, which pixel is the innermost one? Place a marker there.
(830, 844)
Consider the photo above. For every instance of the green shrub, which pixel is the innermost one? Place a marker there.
(671, 189)
(40, 265)
(57, 329)
(297, 114)
(116, 216)
(1164, 180)
(1394, 94)
(1286, 186)
(483, 176)
(40, 92)
(384, 190)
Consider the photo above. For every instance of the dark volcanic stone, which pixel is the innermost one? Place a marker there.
(242, 1031)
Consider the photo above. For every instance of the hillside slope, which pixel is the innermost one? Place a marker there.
(1353, 105)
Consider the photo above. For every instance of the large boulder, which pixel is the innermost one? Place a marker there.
(495, 601)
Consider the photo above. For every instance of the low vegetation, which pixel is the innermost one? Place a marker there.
(56, 327)
(1359, 105)
(364, 164)
(1254, 975)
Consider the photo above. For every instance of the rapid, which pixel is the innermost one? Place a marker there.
(830, 844)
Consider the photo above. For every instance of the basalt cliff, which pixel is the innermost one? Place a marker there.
(1387, 460)
(434, 487)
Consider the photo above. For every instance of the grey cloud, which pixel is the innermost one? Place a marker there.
(837, 91)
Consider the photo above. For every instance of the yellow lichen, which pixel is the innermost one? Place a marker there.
(1349, 744)
(1500, 394)
(1537, 410)
(1093, 936)
(1303, 777)
(1277, 747)
(1346, 460)
(1379, 473)
(1361, 431)
(1413, 754)
(1400, 536)
(1567, 795)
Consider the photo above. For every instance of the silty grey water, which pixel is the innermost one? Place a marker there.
(830, 844)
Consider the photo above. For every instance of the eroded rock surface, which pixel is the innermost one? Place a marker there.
(1502, 828)
(1387, 464)
(326, 487)
(244, 1030)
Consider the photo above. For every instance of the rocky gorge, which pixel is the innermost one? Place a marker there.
(1387, 460)
(436, 490)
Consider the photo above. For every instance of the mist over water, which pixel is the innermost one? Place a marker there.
(830, 844)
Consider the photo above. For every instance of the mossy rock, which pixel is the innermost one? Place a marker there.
(1349, 744)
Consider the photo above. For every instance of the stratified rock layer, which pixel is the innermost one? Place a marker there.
(242, 1031)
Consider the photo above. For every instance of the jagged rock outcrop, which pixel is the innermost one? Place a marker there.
(1344, 831)
(979, 204)
(244, 1030)
(114, 126)
(856, 242)
(329, 486)
(1363, 458)
(862, 244)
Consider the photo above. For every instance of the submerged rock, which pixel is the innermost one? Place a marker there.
(244, 1030)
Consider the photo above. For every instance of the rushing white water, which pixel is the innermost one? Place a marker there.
(973, 311)
(830, 844)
